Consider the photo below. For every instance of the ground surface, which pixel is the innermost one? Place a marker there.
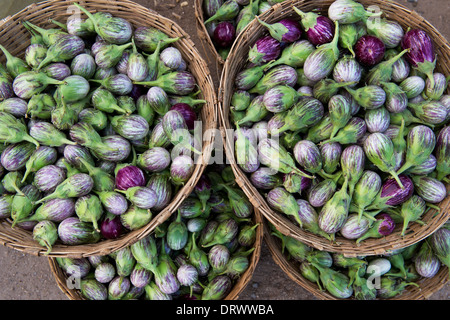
(24, 277)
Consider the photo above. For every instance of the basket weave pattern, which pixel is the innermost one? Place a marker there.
(16, 39)
(237, 60)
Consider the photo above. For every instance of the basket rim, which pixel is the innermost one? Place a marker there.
(281, 222)
(238, 288)
(23, 242)
(427, 286)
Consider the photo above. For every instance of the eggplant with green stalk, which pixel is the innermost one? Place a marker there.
(384, 226)
(442, 153)
(411, 210)
(240, 204)
(347, 69)
(305, 113)
(368, 97)
(46, 234)
(366, 189)
(40, 106)
(103, 181)
(49, 36)
(55, 210)
(246, 15)
(340, 113)
(131, 127)
(321, 62)
(30, 83)
(334, 213)
(278, 75)
(48, 135)
(14, 65)
(112, 29)
(257, 110)
(379, 149)
(276, 157)
(421, 141)
(64, 48)
(177, 233)
(382, 72)
(118, 84)
(285, 30)
(176, 82)
(430, 112)
(75, 186)
(281, 200)
(40, 158)
(352, 165)
(246, 153)
(137, 67)
(6, 88)
(354, 130)
(349, 11)
(47, 178)
(430, 189)
(109, 55)
(325, 89)
(105, 101)
(23, 203)
(349, 35)
(227, 11)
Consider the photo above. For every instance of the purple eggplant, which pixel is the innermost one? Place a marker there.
(377, 120)
(421, 53)
(285, 30)
(319, 29)
(391, 194)
(308, 156)
(188, 113)
(224, 34)
(265, 178)
(6, 89)
(15, 156)
(384, 226)
(369, 50)
(129, 176)
(264, 50)
(111, 227)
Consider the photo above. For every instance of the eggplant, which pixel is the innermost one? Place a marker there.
(347, 69)
(111, 226)
(421, 53)
(392, 194)
(355, 226)
(217, 288)
(293, 55)
(411, 210)
(384, 226)
(426, 262)
(47, 134)
(77, 185)
(72, 231)
(131, 127)
(14, 65)
(308, 155)
(30, 83)
(155, 159)
(388, 31)
(321, 62)
(285, 30)
(281, 200)
(89, 209)
(104, 272)
(429, 188)
(442, 151)
(176, 82)
(46, 234)
(379, 149)
(227, 11)
(147, 38)
(265, 178)
(15, 106)
(319, 29)
(55, 210)
(440, 243)
(160, 183)
(349, 11)
(91, 289)
(352, 165)
(16, 155)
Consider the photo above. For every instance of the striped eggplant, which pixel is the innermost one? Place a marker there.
(334, 213)
(131, 127)
(426, 262)
(140, 277)
(118, 288)
(440, 85)
(379, 149)
(351, 133)
(46, 234)
(281, 200)
(442, 152)
(347, 69)
(72, 231)
(276, 157)
(265, 178)
(15, 106)
(113, 148)
(176, 82)
(91, 289)
(384, 226)
(47, 134)
(331, 155)
(440, 243)
(349, 11)
(352, 165)
(55, 210)
(411, 210)
(104, 272)
(355, 227)
(429, 111)
(278, 75)
(368, 97)
(366, 189)
(310, 219)
(78, 185)
(255, 112)
(421, 141)
(141, 197)
(16, 155)
(89, 208)
(308, 155)
(321, 62)
(293, 55)
(160, 183)
(217, 288)
(40, 158)
(155, 159)
(429, 188)
(377, 120)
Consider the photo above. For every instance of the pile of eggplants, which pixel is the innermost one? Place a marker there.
(96, 129)
(224, 20)
(345, 129)
(382, 277)
(198, 254)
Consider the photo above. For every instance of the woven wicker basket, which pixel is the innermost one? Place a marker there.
(240, 285)
(16, 39)
(236, 61)
(427, 286)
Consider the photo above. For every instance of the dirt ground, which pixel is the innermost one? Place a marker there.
(24, 277)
